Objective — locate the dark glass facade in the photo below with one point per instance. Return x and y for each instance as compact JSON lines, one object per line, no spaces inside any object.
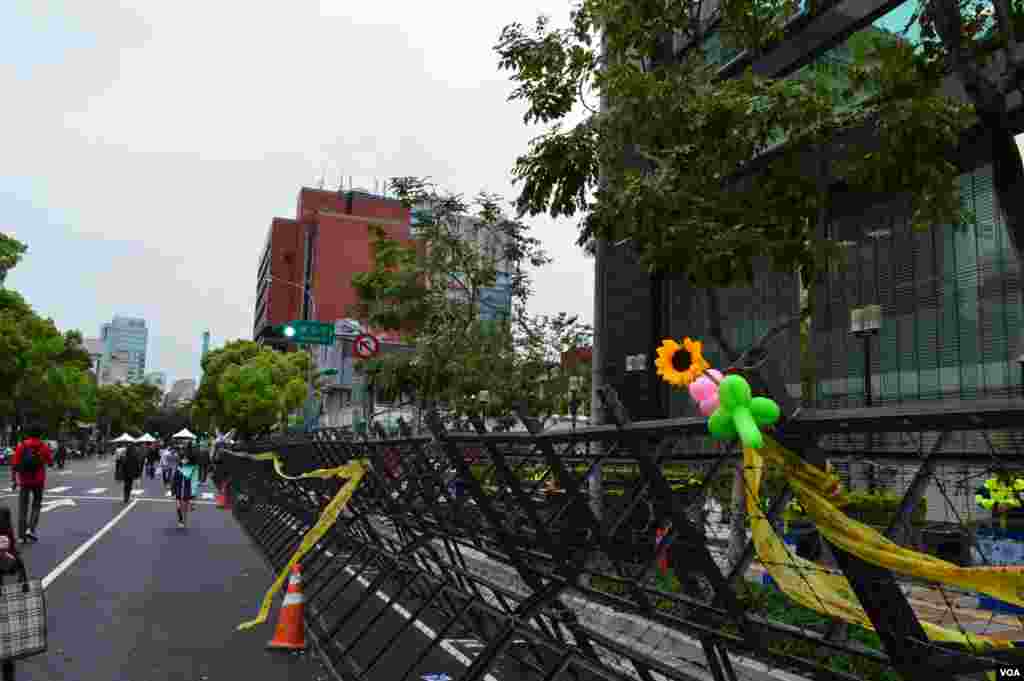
{"x":950,"y":298}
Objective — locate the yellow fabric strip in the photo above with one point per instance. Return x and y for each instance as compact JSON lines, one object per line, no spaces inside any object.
{"x":1003,"y":582}
{"x":354,"y":471}
{"x":806,"y":582}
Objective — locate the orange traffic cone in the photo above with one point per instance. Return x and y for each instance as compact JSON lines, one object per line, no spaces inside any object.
{"x":291,"y":633}
{"x":223,"y":499}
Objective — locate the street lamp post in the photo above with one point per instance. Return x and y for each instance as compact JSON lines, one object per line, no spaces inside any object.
{"x":484,"y":398}
{"x":865,"y":322}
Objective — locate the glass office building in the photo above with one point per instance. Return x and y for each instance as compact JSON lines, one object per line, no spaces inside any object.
{"x":124,"y":342}
{"x":950,"y":299}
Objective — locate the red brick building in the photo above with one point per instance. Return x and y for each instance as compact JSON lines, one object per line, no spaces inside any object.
{"x":318,"y":252}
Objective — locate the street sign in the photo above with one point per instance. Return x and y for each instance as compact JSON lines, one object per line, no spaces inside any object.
{"x":366,"y":346}
{"x":313,"y":333}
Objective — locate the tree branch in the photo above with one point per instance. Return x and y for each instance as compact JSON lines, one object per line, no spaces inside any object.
{"x":715,"y":326}
{"x":771,"y":333}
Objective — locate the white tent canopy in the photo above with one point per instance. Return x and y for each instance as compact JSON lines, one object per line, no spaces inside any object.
{"x":183,"y":434}
{"x":146,"y":437}
{"x":125,"y":437}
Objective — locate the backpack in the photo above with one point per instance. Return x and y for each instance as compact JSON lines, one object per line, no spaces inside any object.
{"x":31,"y":459}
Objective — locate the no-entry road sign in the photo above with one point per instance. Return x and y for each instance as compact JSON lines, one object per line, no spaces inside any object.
{"x":366,"y":346}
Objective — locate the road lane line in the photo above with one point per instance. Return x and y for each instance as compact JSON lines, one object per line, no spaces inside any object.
{"x":58,"y":490}
{"x":69,"y":496}
{"x":96,"y":490}
{"x":137,"y":492}
{"x":69,"y":561}
{"x":420,"y":626}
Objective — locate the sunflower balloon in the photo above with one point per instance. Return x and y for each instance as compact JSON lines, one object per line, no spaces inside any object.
{"x":680,"y":365}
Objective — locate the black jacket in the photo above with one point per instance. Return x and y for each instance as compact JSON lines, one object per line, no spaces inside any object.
{"x":131,"y":465}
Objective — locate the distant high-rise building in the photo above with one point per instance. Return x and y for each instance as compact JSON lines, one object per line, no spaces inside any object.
{"x":124,"y":350}
{"x":94,"y":346}
{"x":206,"y":342}
{"x":182,"y":391}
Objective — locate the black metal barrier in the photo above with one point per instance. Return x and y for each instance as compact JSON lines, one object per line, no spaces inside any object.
{"x":492,"y":538}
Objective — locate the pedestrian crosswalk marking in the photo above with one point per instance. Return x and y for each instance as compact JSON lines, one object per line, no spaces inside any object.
{"x":96,"y":490}
{"x":137,"y":492}
{"x":58,"y":490}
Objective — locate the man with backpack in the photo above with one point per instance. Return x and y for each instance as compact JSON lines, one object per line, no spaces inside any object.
{"x":128,"y":469}
{"x":29,"y":464}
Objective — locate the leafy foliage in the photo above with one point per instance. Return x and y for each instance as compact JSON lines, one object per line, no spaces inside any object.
{"x":434,"y":291}
{"x":125,"y":408}
{"x":11,"y":251}
{"x":166,"y":421}
{"x":249,"y":388}
{"x":677,"y":146}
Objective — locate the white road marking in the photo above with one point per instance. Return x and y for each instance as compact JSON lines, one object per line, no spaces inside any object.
{"x":167,"y":494}
{"x":95,"y":498}
{"x":420,"y":626}
{"x":207,"y":495}
{"x":58,"y":490}
{"x":77,"y":553}
{"x":56,"y":503}
{"x":137,"y":492}
{"x":96,"y":490}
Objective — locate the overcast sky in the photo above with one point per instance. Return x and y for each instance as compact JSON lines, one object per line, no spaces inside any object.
{"x":147,"y":145}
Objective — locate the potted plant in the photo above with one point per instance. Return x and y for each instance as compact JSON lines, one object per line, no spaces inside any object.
{"x":1001,"y":543}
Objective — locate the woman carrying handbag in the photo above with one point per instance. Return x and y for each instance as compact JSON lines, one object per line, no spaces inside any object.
{"x":22,"y":604}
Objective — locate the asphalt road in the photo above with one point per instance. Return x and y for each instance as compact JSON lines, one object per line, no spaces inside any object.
{"x":132,"y":597}
{"x":145,"y":600}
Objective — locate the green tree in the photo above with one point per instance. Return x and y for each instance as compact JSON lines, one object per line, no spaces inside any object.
{"x":11,"y":252}
{"x":678,"y":148}
{"x":124,"y":408}
{"x":167,"y":421}
{"x":249,"y":388}
{"x":434,"y":292}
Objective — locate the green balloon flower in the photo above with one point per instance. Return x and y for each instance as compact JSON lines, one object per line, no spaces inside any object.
{"x":740,"y":414}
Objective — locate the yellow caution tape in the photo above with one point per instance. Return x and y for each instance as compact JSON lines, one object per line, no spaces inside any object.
{"x":354,"y":471}
{"x":811,"y":586}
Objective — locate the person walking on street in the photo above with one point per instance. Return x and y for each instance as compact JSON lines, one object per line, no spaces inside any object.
{"x":184,"y":486}
{"x":131,"y":469}
{"x":152,"y":457}
{"x":168,"y":464}
{"x":62,"y":455}
{"x":29,"y":463}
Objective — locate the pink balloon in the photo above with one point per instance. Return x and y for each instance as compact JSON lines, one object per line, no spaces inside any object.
{"x":703,"y":388}
{"x":708,"y":406}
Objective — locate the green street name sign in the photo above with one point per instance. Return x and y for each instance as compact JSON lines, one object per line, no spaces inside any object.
{"x":312,"y":333}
